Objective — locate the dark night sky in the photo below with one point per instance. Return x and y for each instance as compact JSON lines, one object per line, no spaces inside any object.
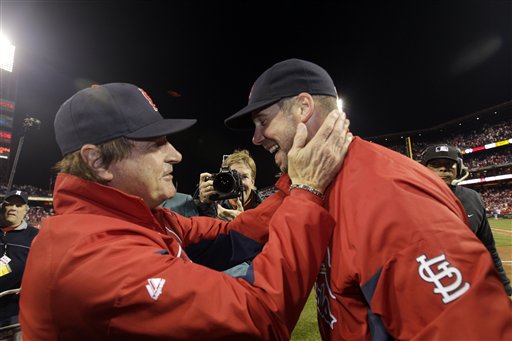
{"x":398,"y":65}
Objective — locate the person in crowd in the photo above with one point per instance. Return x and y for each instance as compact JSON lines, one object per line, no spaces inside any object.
{"x":16,"y":239}
{"x":241,"y":162}
{"x":110,"y":265}
{"x":402,"y":263}
{"x":446,"y":162}
{"x":496,"y":212}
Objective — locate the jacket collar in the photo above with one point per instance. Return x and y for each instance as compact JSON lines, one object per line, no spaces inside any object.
{"x":22,"y":226}
{"x":283,"y":183}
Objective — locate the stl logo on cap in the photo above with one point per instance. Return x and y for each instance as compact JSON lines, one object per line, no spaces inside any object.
{"x":148,"y":98}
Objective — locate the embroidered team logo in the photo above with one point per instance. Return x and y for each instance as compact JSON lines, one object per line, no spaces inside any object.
{"x":447,"y":279}
{"x":154,"y":287}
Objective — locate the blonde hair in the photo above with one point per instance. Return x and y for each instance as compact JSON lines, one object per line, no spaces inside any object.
{"x":110,"y":151}
{"x":241,"y":156}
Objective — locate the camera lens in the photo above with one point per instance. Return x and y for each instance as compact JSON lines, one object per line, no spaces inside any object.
{"x":223,"y":183}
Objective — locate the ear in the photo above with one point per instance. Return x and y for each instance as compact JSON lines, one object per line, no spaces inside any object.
{"x":306,"y":106}
{"x":92,"y":157}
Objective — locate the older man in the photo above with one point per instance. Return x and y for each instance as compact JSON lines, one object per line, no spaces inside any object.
{"x":16,"y":236}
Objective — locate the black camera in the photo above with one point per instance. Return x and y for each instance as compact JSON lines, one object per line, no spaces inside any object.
{"x":228,"y":184}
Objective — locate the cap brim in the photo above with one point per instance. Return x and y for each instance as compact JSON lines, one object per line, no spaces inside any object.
{"x":242,"y":120}
{"x":162,"y":128}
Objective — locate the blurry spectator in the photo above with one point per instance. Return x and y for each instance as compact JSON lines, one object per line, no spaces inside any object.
{"x":446,"y":162}
{"x":29,"y":189}
{"x":498,"y":199}
{"x":16,"y":238}
{"x":496,"y":212}
{"x":488,"y":133}
{"x":499,"y":157}
{"x":37,"y":214}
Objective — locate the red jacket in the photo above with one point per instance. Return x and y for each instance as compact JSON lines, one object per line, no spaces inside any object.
{"x":402,"y":263}
{"x":107,"y":268}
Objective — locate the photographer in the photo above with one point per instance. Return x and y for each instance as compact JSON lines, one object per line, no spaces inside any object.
{"x":239,"y":194}
{"x":225,"y":195}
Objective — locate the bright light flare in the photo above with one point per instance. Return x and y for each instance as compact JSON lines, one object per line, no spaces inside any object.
{"x":339,"y":102}
{"x":6,"y":53}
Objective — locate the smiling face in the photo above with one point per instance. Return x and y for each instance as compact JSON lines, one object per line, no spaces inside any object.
{"x":14,"y":210}
{"x":275,"y":128}
{"x":147,"y":171}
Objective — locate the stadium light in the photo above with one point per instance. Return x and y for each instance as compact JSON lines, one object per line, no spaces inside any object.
{"x":29,"y":123}
{"x":339,"y":102}
{"x":6,"y":53}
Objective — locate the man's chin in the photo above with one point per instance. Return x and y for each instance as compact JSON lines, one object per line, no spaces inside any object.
{"x":171,"y":193}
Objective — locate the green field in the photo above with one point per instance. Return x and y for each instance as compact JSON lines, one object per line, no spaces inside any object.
{"x":306,"y":329}
{"x":501,"y":239}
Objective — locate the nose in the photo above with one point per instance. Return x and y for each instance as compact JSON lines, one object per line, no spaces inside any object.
{"x":173,"y":155}
{"x":257,"y":137}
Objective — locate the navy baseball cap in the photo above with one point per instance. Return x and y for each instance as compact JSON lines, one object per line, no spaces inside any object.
{"x":105,"y":112}
{"x":23,"y":195}
{"x":284,"y":79}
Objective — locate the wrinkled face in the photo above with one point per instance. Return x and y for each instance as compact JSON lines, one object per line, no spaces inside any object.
{"x":275,"y":130}
{"x":446,"y":169}
{"x":247,"y":179}
{"x":14,"y":210}
{"x":147,"y":171}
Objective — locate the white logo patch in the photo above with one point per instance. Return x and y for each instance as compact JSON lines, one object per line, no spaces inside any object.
{"x":449,"y":292}
{"x":154,"y":287}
